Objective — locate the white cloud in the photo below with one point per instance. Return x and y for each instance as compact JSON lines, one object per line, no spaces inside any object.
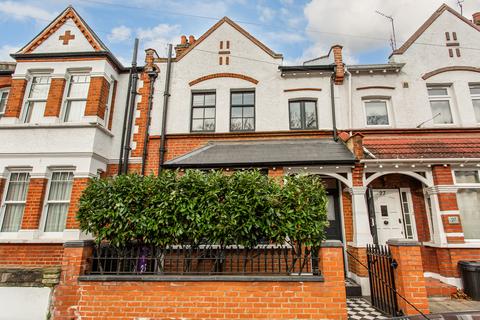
{"x":159,"y":36}
{"x":266,"y":13}
{"x":23,"y":11}
{"x":119,"y":34}
{"x":284,"y":37}
{"x":356,"y":26}
{"x":5,"y":52}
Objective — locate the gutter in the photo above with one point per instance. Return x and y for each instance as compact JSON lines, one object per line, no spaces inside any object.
{"x":259,"y":164}
{"x":421,"y":160}
{"x":166,"y":96}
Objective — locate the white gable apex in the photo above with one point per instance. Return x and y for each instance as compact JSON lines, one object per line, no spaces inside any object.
{"x":68,"y":38}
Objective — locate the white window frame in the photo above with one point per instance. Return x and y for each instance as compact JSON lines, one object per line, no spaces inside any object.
{"x":4,"y":203}
{"x":411,"y":212}
{"x":461,"y":186}
{"x":27,"y":99}
{"x":2,"y":91}
{"x":474,"y":96}
{"x":67,"y":99}
{"x":389,"y":113}
{"x":46,"y":202}
{"x":447,"y":97}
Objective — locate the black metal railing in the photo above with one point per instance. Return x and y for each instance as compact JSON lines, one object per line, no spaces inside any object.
{"x":204,"y":260}
{"x":382,"y":282}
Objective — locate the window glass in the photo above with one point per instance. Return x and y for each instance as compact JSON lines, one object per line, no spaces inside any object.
{"x":79,"y":85}
{"x":376,"y":112}
{"x":441,"y":111}
{"x":37,"y":98}
{"x":475,"y":89}
{"x":203,"y":112}
{"x":476,"y":108}
{"x":58,"y":201}
{"x":303,"y":114}
{"x":433,"y":91}
{"x":242,"y":112}
{"x":15,"y":201}
{"x":35,"y":111}
{"x":76,"y":98}
{"x":3,"y":101}
{"x":466,"y":177}
{"x":40,"y":87}
{"x":468,"y":203}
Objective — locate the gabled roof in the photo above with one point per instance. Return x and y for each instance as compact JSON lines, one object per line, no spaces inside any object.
{"x":60,"y":20}
{"x":428,"y":23}
{"x":239,"y":29}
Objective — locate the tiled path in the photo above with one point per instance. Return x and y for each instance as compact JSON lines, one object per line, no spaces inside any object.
{"x":361,"y":309}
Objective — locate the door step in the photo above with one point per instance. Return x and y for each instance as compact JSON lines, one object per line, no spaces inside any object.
{"x":353,"y":288}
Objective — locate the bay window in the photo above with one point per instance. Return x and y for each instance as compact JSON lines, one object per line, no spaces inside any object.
{"x":76,"y":98}
{"x":36,"y":99}
{"x":58,"y":201}
{"x":468,"y":197}
{"x":14,"y":202}
{"x":440,"y":104}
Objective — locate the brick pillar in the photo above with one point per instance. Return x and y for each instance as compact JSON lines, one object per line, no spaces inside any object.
{"x":66,"y":295}
{"x":447,"y":204}
{"x":276,"y":173}
{"x":55,"y":97}
{"x":15,"y":98}
{"x":79,"y":184}
{"x":409,"y":278}
{"x":97,"y":97}
{"x":338,"y":60}
{"x":332,"y":269}
{"x":142,"y":119}
{"x":34,"y":204}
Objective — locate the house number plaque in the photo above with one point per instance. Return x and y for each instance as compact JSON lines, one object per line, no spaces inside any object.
{"x":453,"y":220}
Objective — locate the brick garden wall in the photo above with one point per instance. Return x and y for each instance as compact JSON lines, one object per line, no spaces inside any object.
{"x":30,"y":255}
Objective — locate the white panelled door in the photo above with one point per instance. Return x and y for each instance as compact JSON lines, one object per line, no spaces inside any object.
{"x":388,"y":214}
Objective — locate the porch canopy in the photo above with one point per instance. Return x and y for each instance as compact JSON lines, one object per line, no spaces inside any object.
{"x":265,"y":153}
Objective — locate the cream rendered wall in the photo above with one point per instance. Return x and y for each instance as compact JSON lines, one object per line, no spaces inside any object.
{"x":271,"y":105}
{"x":24,"y":303}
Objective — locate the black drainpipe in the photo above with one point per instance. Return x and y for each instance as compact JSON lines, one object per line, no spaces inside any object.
{"x":332,"y":97}
{"x":152,"y":75}
{"x":133,"y":96}
{"x":166,"y":96}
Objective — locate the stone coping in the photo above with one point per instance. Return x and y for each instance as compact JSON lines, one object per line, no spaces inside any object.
{"x":226,"y":278}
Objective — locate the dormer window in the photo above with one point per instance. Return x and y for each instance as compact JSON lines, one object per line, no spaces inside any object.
{"x":76,"y":98}
{"x":3,"y":101}
{"x":36,"y":99}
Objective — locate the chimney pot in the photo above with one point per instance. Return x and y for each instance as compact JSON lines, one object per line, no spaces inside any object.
{"x":183,"y":40}
{"x":191,"y":39}
{"x":476,"y":18}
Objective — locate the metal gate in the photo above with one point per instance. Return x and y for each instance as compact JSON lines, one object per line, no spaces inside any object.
{"x":382,"y":282}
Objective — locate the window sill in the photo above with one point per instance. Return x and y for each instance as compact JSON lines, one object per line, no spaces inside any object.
{"x":56,"y":126}
{"x":212,"y":278}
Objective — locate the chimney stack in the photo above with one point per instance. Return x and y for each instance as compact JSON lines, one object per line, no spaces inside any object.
{"x":338,"y":60}
{"x":476,"y":18}
{"x":179,"y":48}
{"x":191,"y":40}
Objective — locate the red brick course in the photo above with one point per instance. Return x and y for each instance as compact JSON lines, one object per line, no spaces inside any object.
{"x":223,"y":75}
{"x":347,"y":214}
{"x":34,"y":203}
{"x":15,"y":98}
{"x":5,"y":81}
{"x":79,"y":184}
{"x":55,"y":98}
{"x":354,"y":266}
{"x":30,"y":255}
{"x":141,"y":120}
{"x":447,"y":201}
{"x":442,"y":175}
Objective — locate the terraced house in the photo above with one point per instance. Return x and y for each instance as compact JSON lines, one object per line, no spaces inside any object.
{"x":397,"y":144}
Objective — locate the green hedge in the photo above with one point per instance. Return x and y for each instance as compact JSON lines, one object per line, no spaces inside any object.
{"x":197,"y":207}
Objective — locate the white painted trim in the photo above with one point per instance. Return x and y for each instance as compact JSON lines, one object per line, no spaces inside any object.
{"x":457,"y":282}
{"x":449,"y":212}
{"x":63,"y":125}
{"x":412,"y":212}
{"x":367,"y":181}
{"x":454,"y":234}
{"x":467,"y":245}
{"x":421,"y":161}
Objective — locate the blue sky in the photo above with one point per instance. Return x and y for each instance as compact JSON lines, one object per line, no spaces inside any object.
{"x":300,"y":29}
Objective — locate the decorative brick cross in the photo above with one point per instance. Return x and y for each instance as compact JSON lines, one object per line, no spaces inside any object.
{"x":66,"y":37}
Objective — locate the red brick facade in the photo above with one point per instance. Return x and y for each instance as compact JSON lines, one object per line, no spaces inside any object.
{"x":79,"y":184}
{"x":55,"y":98}
{"x":30,"y":255}
{"x":97,"y":97}
{"x":15,"y":98}
{"x":34,"y":204}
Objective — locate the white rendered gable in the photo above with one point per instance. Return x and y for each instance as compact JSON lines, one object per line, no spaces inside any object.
{"x":55,"y":44}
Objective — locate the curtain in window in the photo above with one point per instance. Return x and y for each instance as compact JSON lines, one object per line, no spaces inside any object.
{"x":58,"y":201}
{"x":15,"y":201}
{"x":469,"y":204}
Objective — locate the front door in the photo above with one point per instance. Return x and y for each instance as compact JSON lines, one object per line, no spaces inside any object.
{"x":334,"y":231}
{"x":388,"y":214}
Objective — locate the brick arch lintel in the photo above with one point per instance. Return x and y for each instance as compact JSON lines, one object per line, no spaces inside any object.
{"x":223,"y":75}
{"x":448,"y":69}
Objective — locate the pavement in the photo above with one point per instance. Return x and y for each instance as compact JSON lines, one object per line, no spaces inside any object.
{"x":444,"y":304}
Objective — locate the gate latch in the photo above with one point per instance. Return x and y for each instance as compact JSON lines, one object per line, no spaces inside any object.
{"x":394,"y":264}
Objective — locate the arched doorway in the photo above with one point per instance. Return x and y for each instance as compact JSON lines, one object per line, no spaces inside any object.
{"x":398,"y":207}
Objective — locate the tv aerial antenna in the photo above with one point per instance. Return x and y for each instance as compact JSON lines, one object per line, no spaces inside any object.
{"x":460,"y":4}
{"x":393,"y":39}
